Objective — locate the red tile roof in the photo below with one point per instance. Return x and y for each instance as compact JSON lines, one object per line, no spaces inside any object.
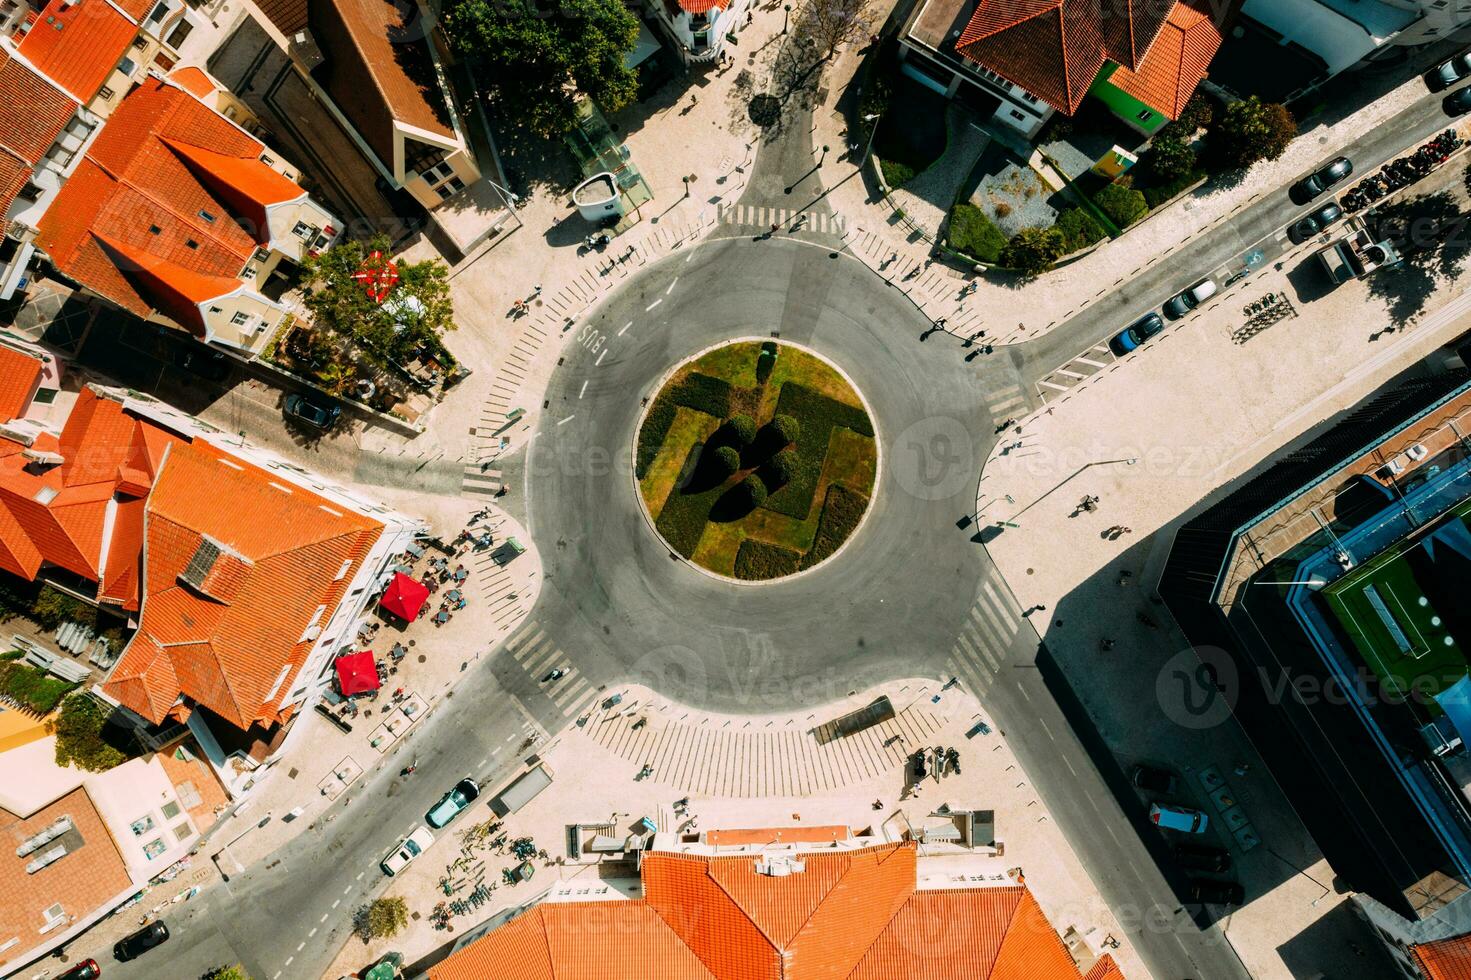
{"x":847,"y":915}
{"x":1178,"y":60}
{"x":20,"y":373}
{"x":1055,"y":48}
{"x":58,"y":514}
{"x":378,"y":69}
{"x":1105,"y":969}
{"x":33,"y":112}
{"x":1444,"y":959}
{"x":145,"y":220}
{"x":778,"y":835}
{"x":193,"y":80}
{"x":221,"y":637}
{"x":78,"y":43}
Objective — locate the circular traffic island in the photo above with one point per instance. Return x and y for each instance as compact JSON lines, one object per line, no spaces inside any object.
{"x":756,"y":460}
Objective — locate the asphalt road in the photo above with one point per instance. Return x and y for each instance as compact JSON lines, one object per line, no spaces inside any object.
{"x":289,"y":916}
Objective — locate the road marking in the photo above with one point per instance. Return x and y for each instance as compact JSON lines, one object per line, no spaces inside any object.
{"x":496,"y":749}
{"x":290,"y":958}
{"x":312,"y":933}
{"x":601,"y":354}
{"x":299,"y":948}
{"x":1051,"y":385}
{"x":1069,"y":765}
{"x":1024,"y":692}
{"x":625,"y":327}
{"x":671,"y":286}
{"x":277,"y":976}
{"x":348,"y":888}
{"x":1084,"y":360}
{"x":568,"y":418}
{"x":1071,"y":374}
{"x":360,"y":875}
{"x":653,"y":304}
{"x":322,"y":919}
{"x":336,"y":902}
{"x":510,"y":738}
{"x":582,"y":391}
{"x":485,"y":760}
{"x":1046,"y":729}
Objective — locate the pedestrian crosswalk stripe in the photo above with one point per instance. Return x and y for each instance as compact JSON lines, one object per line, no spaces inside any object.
{"x":580,"y":701}
{"x":542,"y":658}
{"x":1000,"y":602}
{"x":562,"y":698}
{"x":526,"y":641}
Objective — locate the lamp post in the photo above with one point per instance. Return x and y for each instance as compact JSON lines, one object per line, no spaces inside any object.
{"x":786,"y":10}
{"x":1065,"y":480}
{"x":872,"y":117}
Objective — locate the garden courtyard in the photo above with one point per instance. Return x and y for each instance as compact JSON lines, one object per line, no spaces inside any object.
{"x":756,"y":460}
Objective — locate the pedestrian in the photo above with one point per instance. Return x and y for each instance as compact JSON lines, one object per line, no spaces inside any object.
{"x":1016,"y":445}
{"x":1125,"y":576}
{"x":536,"y":291}
{"x":987,"y":349}
{"x":749,"y":17}
{"x":1126,"y":530}
{"x":940,"y":323}
{"x":1105,"y":644}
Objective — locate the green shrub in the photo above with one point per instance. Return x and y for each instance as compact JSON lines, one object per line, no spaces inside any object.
{"x":841,"y":513}
{"x":52,"y":608}
{"x":895,"y":174}
{"x":1249,"y":130}
{"x":651,"y":434}
{"x":1160,"y":193}
{"x":382,"y":918}
{"x":1197,"y":114}
{"x":1169,"y":157}
{"x":32,"y":687}
{"x":1123,"y":205}
{"x":1079,"y":229}
{"x":724,"y":462}
{"x":740,"y":429}
{"x":1033,"y":251}
{"x":970,"y":231}
{"x":765,"y":361}
{"x":752,"y":490}
{"x":781,"y":469}
{"x":785,"y":429}
{"x":682,"y":521}
{"x":78,"y":731}
{"x":758,"y":560}
{"x":703,"y":394}
{"x":819,"y":415}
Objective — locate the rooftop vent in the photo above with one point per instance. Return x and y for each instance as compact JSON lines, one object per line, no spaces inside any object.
{"x":200,"y":564}
{"x":780,"y":867}
{"x":45,"y":836}
{"x":55,"y":854}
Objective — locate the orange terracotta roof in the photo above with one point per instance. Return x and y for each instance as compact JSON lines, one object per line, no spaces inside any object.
{"x":59,"y":514}
{"x":136,"y":223}
{"x":193,"y":80}
{"x":702,"y":6}
{"x":246,"y":184}
{"x":20,"y":373}
{"x":1105,"y":969}
{"x":1055,"y":48}
{"x":848,"y":915}
{"x":33,"y":113}
{"x":78,"y":43}
{"x":778,"y":835}
{"x":221,"y":635}
{"x":1444,"y":959}
{"x":199,"y":788}
{"x":1177,"y":62}
{"x":378,"y":69}
{"x":14,"y":172}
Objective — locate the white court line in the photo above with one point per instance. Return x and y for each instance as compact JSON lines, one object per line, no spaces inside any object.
{"x":625,"y":327}
{"x":653,"y":304}
{"x":570,"y":417}
{"x":671,"y":286}
{"x":583,"y":390}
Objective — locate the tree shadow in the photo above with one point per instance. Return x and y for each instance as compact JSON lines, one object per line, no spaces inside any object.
{"x":1430,"y":233}
{"x":734,"y":504}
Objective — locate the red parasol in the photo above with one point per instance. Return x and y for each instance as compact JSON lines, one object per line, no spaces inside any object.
{"x":405,"y":596}
{"x":356,"y":673}
{"x":377,"y":275}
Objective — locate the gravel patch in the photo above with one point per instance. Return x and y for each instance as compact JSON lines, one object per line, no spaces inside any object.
{"x":1014,"y":198}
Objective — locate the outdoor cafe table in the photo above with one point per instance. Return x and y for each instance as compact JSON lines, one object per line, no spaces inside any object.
{"x":453,"y":595}
{"x":441,"y":617}
{"x":461,"y":574}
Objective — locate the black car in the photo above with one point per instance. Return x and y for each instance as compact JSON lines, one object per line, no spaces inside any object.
{"x":211,"y":365}
{"x":1458,"y":103}
{"x":140,"y":942}
{"x":1449,"y":72}
{"x":1309,"y":225}
{"x":1155,"y":780}
{"x":318,"y":416}
{"x":1134,"y":335}
{"x":1320,"y":180}
{"x":1209,"y":892}
{"x":85,"y":970}
{"x":1198,"y":857}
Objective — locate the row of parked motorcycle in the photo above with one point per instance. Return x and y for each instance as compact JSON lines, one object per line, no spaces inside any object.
{"x":1402,"y":172}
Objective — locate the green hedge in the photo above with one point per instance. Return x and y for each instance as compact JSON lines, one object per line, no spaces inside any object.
{"x":682,"y":521}
{"x":841,"y":513}
{"x":31,"y":687}
{"x":1079,"y":229}
{"x":895,"y":174}
{"x":704,"y":394}
{"x":1157,"y":195}
{"x":697,"y":391}
{"x":651,"y":434}
{"x":759,"y":560}
{"x":818,"y":415}
{"x":1123,"y":205}
{"x":765,"y":361}
{"x":972,"y":232}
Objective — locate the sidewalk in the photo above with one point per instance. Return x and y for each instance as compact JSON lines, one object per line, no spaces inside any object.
{"x":594,"y":786}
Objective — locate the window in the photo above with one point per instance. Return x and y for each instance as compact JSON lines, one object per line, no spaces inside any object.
{"x":421,"y":157}
{"x":1030,"y":99}
{"x":239,"y":317}
{"x":142,"y":825}
{"x":342,"y":572}
{"x":190,"y":243}
{"x":261,"y":254}
{"x":994,"y":79}
{"x":158,"y":12}
{"x":303,"y":230}
{"x":171,"y":810}
{"x":280,"y":679}
{"x":1144,"y":115}
{"x":105,"y":94}
{"x":154,"y":848}
{"x":206,"y":215}
{"x":182,"y":832}
{"x":154,"y":229}
{"x":216,"y":309}
{"x":178,"y":34}
{"x":1018,"y":116}
{"x":449,"y":188}
{"x":30,"y":192}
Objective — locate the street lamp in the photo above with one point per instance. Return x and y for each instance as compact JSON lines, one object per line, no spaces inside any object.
{"x":786,"y":10}
{"x":872,"y":117}
{"x":1065,"y":480}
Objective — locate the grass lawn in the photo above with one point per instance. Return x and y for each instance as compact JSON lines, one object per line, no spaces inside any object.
{"x":835,"y":445}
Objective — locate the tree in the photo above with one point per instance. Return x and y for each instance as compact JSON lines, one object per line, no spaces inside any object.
{"x":1197,"y":114}
{"x":236,"y":972}
{"x":753,"y":491}
{"x":1169,"y":157}
{"x":414,"y":315}
{"x":381,"y":918}
{"x":531,"y":63}
{"x":785,"y":430}
{"x":1121,"y":203}
{"x":834,"y":23}
{"x":78,"y":731}
{"x":742,"y":429}
{"x":781,"y":468}
{"x":1248,"y":131}
{"x":1033,"y":251}
{"x":725,"y":460}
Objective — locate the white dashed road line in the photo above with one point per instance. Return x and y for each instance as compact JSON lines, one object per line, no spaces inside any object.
{"x":567,"y":419}
{"x":582,"y":391}
{"x":625,"y":327}
{"x":671,"y":286}
{"x":653,"y":304}
{"x":601,"y":354}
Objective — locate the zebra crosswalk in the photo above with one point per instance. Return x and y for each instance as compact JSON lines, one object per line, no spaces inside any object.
{"x":538,"y":655}
{"x":984,"y":643}
{"x":1076,"y":371}
{"x":479,"y":480}
{"x":759,"y":217}
{"x":1007,"y":402}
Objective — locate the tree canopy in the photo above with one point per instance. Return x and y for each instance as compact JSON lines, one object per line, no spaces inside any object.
{"x":1033,"y":251}
{"x":531,"y":62}
{"x":1250,"y":130}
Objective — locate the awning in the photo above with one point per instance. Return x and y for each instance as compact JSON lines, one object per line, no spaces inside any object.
{"x":356,"y":673}
{"x":404,"y":596}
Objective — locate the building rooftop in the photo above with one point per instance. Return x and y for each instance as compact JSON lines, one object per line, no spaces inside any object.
{"x":35,"y":114}
{"x":848,"y":914}
{"x":78,"y":43}
{"x":1177,"y":61}
{"x":20,"y":373}
{"x":1444,"y":959}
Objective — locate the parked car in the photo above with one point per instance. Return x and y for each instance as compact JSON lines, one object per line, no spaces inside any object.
{"x":311,"y":413}
{"x":1182,"y":303}
{"x":1210,"y":892}
{"x":85,"y":970}
{"x":1320,"y":180}
{"x":406,"y":850}
{"x":452,"y":803}
{"x":133,"y":946}
{"x":1449,"y":72}
{"x":212,"y":365}
{"x":1180,"y":818}
{"x":1155,"y":780}
{"x":1458,"y":103}
{"x":1309,"y":225}
{"x":1136,"y":334}
{"x":1198,"y":857}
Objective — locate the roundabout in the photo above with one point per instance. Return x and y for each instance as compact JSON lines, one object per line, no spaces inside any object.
{"x":629,"y":607}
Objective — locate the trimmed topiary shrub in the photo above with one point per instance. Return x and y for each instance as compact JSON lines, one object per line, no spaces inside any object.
{"x":1079,"y":229}
{"x":738,"y":501}
{"x":651,"y":434}
{"x":704,"y":394}
{"x":724,"y":461}
{"x":741,"y":429}
{"x":781,"y":469}
{"x":1122,"y":204}
{"x":970,"y":231}
{"x":785,"y":428}
{"x":754,"y":490}
{"x":895,"y":174}
{"x":765,"y":361}
{"x":758,"y":560}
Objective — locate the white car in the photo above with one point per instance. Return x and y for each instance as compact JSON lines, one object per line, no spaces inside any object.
{"x":1180,"y":818}
{"x":406,"y":850}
